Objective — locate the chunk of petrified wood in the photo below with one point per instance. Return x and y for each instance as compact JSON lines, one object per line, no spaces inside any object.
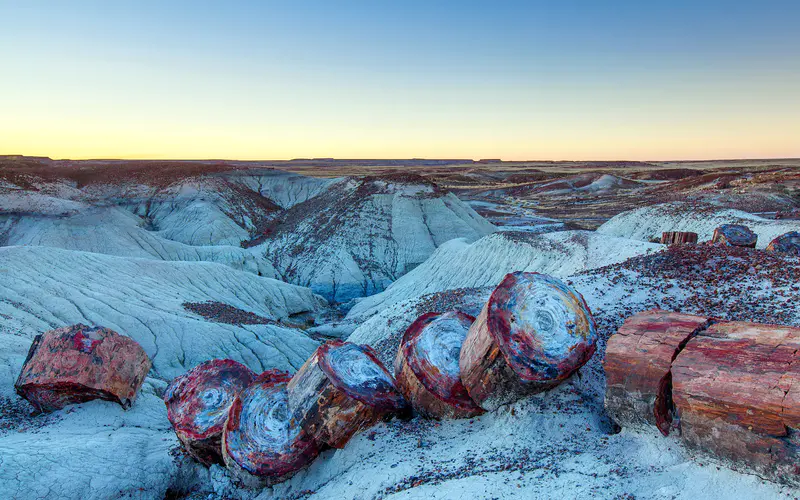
{"x":79,"y":363}
{"x":786,"y":243}
{"x":637,"y":365}
{"x":198,"y":403}
{"x":426,"y":366}
{"x":678,"y":237}
{"x":734,"y":235}
{"x":341,"y":389}
{"x":532,"y":334}
{"x":260,"y":443}
{"x":736,"y":388}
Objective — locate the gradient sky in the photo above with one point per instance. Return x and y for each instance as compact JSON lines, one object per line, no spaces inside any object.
{"x":514,"y":80}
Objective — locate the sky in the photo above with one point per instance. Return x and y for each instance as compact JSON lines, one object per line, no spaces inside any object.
{"x":527,"y":79}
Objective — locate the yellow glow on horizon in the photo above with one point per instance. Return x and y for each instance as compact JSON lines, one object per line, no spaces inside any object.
{"x":160,"y":140}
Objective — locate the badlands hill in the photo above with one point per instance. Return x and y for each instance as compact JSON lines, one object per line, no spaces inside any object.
{"x":344,"y":238}
{"x":359,"y":235}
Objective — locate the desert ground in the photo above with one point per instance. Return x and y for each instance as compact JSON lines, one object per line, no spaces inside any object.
{"x":263,"y":262}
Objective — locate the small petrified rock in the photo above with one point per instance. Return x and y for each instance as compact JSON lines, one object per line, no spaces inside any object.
{"x":341,"y":389}
{"x":426,"y":367}
{"x":678,"y":238}
{"x":532,"y":334}
{"x":786,"y":243}
{"x":734,"y":235}
{"x":260,"y":443}
{"x":736,"y":389}
{"x":637,"y":365}
{"x":79,"y":363}
{"x":198,"y":403}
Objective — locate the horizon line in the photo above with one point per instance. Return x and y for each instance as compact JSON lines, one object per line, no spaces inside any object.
{"x":466,"y":160}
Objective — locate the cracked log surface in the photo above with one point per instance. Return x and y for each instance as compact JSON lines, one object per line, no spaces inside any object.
{"x":786,"y":243}
{"x":79,"y":363}
{"x":736,"y":387}
{"x":198,"y":403}
{"x":678,"y":237}
{"x":341,"y":389}
{"x":261,"y":444}
{"x":637,"y":364}
{"x":426,"y":367}
{"x":735,"y":235}
{"x":532,"y":334}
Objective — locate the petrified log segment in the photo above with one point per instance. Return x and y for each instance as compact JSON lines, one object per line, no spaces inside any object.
{"x":426,"y":367}
{"x":736,"y":387}
{"x":198,"y":403}
{"x":786,"y":243}
{"x":678,"y":238}
{"x":637,"y":365}
{"x":260,"y":443}
{"x":532,"y":334}
{"x":341,"y":389}
{"x":734,"y":235}
{"x":80,"y":363}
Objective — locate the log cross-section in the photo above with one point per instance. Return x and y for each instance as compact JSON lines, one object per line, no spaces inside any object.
{"x":198,"y":403}
{"x":260,"y":443}
{"x":637,"y":364}
{"x":532,"y":334}
{"x":786,"y":243}
{"x":341,"y":389}
{"x":734,"y":235}
{"x":426,"y":366}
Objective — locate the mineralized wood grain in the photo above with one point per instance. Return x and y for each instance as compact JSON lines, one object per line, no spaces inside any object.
{"x":637,"y":363}
{"x":786,"y":243}
{"x":261,"y":445}
{"x":341,"y":389}
{"x":426,"y":367}
{"x":678,"y":237}
{"x":734,"y":235}
{"x":79,"y":363}
{"x":736,"y":389}
{"x":532,"y":334}
{"x":198,"y":403}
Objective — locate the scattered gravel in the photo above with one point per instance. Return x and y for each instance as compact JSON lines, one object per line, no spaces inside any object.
{"x":224,"y":313}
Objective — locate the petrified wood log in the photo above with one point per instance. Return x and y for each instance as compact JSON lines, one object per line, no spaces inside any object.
{"x":736,"y":388}
{"x":678,"y":237}
{"x":341,"y":389}
{"x":734,"y":235}
{"x":426,"y":367}
{"x":786,"y":243}
{"x":78,"y":363}
{"x":532,"y":334}
{"x":637,"y":365}
{"x":261,"y":445}
{"x":198,"y":403}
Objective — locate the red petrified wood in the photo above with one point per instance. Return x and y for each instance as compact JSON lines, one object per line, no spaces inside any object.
{"x":80,"y":363}
{"x":734,"y":235}
{"x":736,"y":388}
{"x":198,"y":403}
{"x":786,"y":243}
{"x":341,"y":389}
{"x":260,"y":443}
{"x":637,"y":365}
{"x":426,"y":366}
{"x":532,"y":334}
{"x":678,"y":237}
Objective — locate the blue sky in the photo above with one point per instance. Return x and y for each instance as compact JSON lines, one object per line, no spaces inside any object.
{"x":517,"y":80}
